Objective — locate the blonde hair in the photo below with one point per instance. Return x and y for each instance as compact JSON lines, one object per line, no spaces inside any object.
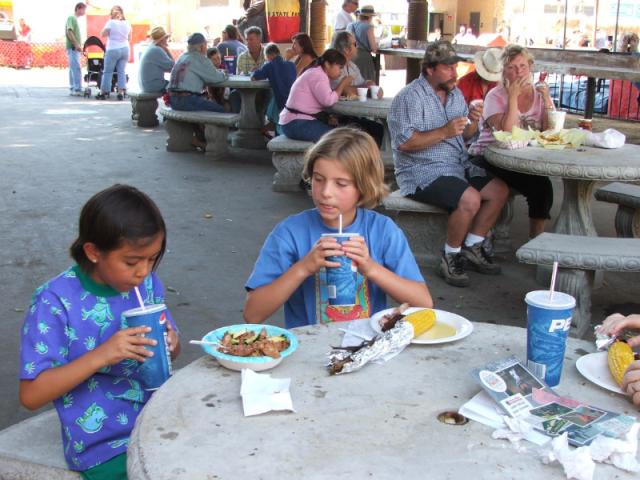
{"x":512,"y":51}
{"x":358,"y":153}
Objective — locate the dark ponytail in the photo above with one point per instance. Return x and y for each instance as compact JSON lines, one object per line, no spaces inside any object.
{"x":330,"y":55}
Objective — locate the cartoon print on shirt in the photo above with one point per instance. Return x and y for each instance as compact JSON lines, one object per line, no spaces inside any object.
{"x":92,"y":419}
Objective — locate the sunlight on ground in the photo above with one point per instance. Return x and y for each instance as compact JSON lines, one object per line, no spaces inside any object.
{"x":69,"y":111}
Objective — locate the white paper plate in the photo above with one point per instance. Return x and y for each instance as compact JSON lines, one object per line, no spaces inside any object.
{"x":594,"y":368}
{"x":463,"y":326}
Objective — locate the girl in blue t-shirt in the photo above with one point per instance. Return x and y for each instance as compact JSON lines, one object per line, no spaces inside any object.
{"x":76,"y":349}
{"x":347,"y":178}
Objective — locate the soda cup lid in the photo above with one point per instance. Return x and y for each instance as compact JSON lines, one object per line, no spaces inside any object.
{"x":541,"y":298}
{"x":158,"y":307}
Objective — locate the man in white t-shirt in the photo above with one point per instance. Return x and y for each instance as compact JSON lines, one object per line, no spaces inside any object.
{"x":345,"y":15}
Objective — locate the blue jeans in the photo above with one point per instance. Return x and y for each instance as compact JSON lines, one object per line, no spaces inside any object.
{"x":192,"y":103}
{"x":308,"y":130}
{"x":75,"y":72}
{"x":115,"y":59}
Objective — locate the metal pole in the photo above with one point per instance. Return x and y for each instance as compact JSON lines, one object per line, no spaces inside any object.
{"x":564,"y":32}
{"x":615,"y":35}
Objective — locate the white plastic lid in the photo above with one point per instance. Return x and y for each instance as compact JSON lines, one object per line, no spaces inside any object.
{"x":341,"y":235}
{"x":134,"y":312}
{"x":541,"y":298}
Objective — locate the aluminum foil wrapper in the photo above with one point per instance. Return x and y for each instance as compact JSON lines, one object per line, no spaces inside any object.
{"x":603,"y":342}
{"x":389,"y":342}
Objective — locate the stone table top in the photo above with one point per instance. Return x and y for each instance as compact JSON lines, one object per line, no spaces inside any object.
{"x":376,"y":108}
{"x":379,"y":422}
{"x":585,"y":163}
{"x":244,"y":81}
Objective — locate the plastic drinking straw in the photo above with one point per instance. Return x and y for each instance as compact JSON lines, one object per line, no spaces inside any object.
{"x":553,"y":280}
{"x":140,"y":301}
{"x":340,"y":224}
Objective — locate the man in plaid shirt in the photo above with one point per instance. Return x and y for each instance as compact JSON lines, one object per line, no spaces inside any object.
{"x":429,"y":123}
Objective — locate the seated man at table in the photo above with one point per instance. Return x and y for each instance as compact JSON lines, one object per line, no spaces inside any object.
{"x":191,"y":73}
{"x":429,"y":123}
{"x":345,"y":43}
{"x":253,"y":57}
{"x":155,"y":62}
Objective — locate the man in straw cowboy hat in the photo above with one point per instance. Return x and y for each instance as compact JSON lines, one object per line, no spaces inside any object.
{"x":155,"y":62}
{"x":429,"y":123}
{"x":488,"y":71}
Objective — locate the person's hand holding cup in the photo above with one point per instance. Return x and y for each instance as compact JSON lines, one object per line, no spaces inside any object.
{"x":376,"y":91}
{"x":475,"y":110}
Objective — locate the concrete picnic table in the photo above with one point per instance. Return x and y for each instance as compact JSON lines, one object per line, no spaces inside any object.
{"x":580,"y":169}
{"x":249,"y":133}
{"x":372,"y":108}
{"x":378,"y":422}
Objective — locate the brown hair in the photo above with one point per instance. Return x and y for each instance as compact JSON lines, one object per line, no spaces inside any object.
{"x":304,"y":41}
{"x":358,"y":153}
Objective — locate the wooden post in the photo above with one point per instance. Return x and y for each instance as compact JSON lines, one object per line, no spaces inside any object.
{"x":317,"y":25}
{"x":416,"y":32}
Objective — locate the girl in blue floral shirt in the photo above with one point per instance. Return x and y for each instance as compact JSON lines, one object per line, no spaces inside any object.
{"x":76,"y":349}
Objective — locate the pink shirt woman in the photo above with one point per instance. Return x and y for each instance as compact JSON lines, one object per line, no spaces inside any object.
{"x":310,"y":94}
{"x":517,"y":103}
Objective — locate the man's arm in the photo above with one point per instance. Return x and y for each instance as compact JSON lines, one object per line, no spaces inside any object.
{"x":422,"y":140}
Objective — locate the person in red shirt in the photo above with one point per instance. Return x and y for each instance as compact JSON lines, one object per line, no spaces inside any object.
{"x":488,"y":71}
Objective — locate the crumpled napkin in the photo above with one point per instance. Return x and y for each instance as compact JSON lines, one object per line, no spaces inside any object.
{"x":610,"y":138}
{"x":579,"y":463}
{"x":261,"y":393}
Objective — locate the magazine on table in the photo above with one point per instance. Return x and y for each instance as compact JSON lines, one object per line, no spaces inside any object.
{"x":522,"y":395}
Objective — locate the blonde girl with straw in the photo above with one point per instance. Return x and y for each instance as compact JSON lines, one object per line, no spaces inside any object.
{"x":347,"y":180}
{"x":76,"y":349}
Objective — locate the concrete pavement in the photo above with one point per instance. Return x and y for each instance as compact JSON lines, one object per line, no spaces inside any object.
{"x":58,"y":150}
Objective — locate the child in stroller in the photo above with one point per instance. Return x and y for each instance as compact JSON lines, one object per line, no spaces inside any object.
{"x":94,"y":50}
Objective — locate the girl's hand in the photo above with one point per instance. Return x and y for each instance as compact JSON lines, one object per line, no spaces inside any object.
{"x":631,"y":382}
{"x":126,"y":343}
{"x":614,"y":325}
{"x":356,"y":249}
{"x":317,"y":257}
{"x":173,"y":341}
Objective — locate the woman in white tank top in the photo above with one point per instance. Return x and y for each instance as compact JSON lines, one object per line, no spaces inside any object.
{"x":118,"y":33}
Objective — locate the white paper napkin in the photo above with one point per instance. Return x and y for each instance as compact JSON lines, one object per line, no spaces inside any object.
{"x":609,"y":138}
{"x":261,"y":393}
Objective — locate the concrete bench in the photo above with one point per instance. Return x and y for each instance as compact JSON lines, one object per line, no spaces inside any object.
{"x":425,"y":227}
{"x":627,"y":196}
{"x":288,"y":159}
{"x":216,"y":130}
{"x":578,"y":258}
{"x":32,"y":449}
{"x":143,"y":108}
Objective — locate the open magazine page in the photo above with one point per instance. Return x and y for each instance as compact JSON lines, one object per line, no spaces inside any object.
{"x":526,"y":397}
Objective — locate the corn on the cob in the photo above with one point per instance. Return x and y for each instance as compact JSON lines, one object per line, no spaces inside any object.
{"x":619,"y":358}
{"x":421,"y":320}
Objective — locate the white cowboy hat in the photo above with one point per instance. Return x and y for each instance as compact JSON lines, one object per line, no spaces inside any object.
{"x":489,"y":64}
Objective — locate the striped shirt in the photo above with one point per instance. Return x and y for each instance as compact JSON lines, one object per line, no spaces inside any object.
{"x":417,"y":108}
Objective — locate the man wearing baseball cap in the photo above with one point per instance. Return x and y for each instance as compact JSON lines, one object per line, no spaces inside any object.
{"x":191,"y":73}
{"x":429,"y":123}
{"x":155,"y":62}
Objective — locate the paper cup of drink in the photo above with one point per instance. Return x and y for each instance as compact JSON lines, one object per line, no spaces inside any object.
{"x":478,"y":103}
{"x":556,"y":120}
{"x":362,"y":94}
{"x":548,"y":324}
{"x":154,"y":370}
{"x":374,"y":91}
{"x":341,"y":281}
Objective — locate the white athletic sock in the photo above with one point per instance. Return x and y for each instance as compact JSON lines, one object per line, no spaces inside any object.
{"x":472,"y":239}
{"x":448,"y":249}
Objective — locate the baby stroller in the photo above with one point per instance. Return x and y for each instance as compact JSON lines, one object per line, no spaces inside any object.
{"x":94,"y":50}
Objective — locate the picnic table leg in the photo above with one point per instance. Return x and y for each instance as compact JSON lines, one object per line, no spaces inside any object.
{"x":249,"y":133}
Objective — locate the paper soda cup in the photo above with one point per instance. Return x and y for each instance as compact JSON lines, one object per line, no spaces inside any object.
{"x":548,"y":324}
{"x":556,"y":120}
{"x":374,"y":91}
{"x":157,"y":369}
{"x":341,"y":281}
{"x":229,"y":62}
{"x":362,"y":94}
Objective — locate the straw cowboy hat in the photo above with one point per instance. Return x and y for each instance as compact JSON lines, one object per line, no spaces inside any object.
{"x":158,"y":34}
{"x":367,"y":11}
{"x":489,"y":64}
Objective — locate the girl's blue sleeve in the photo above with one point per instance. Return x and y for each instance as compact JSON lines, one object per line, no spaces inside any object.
{"x":45,"y":336}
